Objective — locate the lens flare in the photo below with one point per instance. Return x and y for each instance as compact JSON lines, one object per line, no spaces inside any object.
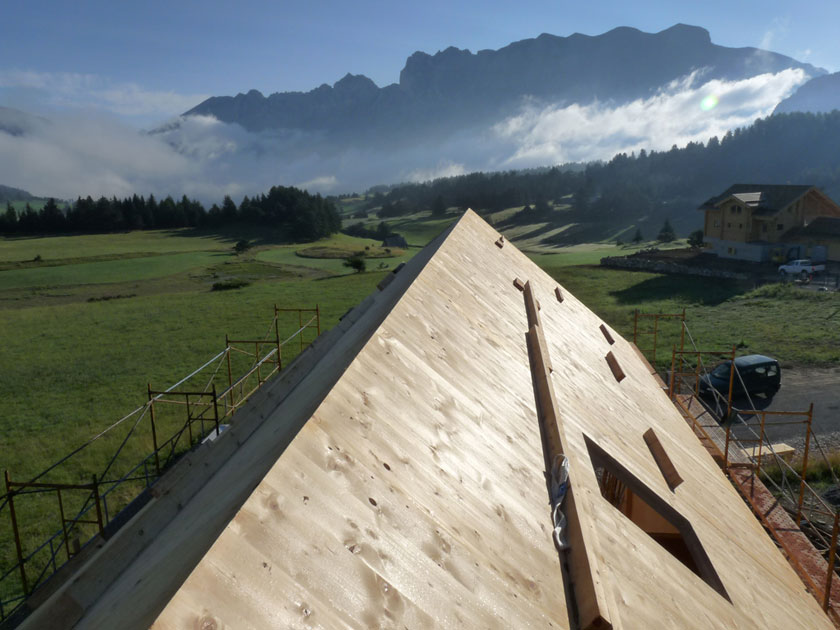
{"x":710,"y":102}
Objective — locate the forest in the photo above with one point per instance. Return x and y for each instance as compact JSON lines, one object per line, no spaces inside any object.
{"x":643,"y":188}
{"x":298,"y":215}
{"x":785,"y":148}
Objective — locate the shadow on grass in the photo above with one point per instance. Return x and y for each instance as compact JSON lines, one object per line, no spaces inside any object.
{"x":687,"y":289}
{"x":257,"y":235}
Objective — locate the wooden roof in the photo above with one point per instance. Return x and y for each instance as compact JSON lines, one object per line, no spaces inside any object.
{"x":765,"y":198}
{"x":413,"y":494}
{"x":820,"y":227}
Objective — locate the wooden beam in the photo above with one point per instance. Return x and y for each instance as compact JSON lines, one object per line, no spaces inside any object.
{"x":615,"y":367}
{"x":607,"y":334}
{"x":669,"y":471}
{"x":585,"y":588}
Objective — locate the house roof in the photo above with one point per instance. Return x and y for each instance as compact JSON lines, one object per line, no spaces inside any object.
{"x":820,"y":227}
{"x":766,"y":199}
{"x":750,"y":198}
{"x":396,"y":476}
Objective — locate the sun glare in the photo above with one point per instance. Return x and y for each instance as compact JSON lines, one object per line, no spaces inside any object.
{"x":710,"y":102}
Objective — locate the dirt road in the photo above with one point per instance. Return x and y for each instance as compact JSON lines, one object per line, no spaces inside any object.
{"x":801,"y":387}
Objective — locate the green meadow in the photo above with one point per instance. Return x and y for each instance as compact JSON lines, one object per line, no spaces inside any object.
{"x":82,"y":339}
{"x":799,"y":327}
{"x":99,"y":316}
{"x":107,"y":272}
{"x":90,"y":321}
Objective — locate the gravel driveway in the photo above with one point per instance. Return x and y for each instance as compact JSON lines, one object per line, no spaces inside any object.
{"x":801,"y":387}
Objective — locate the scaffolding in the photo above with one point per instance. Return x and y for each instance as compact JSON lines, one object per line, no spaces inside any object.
{"x":739,"y":440}
{"x":172,"y":421}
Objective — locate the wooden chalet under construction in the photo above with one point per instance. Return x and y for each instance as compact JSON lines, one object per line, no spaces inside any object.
{"x":406,"y":472}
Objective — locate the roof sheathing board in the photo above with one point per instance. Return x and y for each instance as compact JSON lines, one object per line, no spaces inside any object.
{"x":459,"y":535}
{"x":442,"y":394}
{"x":649,"y":587}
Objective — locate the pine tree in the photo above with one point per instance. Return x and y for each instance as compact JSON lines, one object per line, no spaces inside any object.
{"x":9,"y":220}
{"x":666,"y":234}
{"x":695,"y":239}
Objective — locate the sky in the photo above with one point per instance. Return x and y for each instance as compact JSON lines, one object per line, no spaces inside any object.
{"x":144,"y":62}
{"x":98,"y":73}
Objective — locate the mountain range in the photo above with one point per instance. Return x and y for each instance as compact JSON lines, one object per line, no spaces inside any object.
{"x":443,"y":92}
{"x":819,"y":95}
{"x":537,"y":102}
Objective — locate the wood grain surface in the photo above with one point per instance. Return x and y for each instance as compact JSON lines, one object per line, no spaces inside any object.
{"x":414,"y":494}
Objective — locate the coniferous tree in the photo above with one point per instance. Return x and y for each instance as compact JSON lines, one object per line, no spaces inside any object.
{"x":666,"y":234}
{"x":52,"y":218}
{"x":9,"y":219}
{"x":438,"y":207}
{"x":228,"y":210}
{"x":29,"y":221}
{"x":695,"y":239}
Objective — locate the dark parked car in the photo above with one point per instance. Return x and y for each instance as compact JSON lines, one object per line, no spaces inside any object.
{"x":760,"y":375}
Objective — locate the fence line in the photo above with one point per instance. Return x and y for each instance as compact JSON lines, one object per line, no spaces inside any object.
{"x":94,"y":516}
{"x":811,"y":512}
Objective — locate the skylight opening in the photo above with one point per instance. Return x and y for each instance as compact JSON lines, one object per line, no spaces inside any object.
{"x":645,"y":509}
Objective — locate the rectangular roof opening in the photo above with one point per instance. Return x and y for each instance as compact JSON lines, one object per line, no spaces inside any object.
{"x":654,"y":516}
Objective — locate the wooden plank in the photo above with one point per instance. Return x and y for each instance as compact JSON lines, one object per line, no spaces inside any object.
{"x":584,"y":587}
{"x":672,"y":477}
{"x":618,"y":373}
{"x":457,"y":525}
{"x":785,"y":451}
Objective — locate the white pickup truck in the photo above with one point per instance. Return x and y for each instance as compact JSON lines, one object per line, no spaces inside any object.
{"x":800,"y":267}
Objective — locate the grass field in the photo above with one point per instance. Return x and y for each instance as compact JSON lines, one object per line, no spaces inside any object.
{"x":99,"y":317}
{"x":417,"y":229}
{"x":89,"y":245}
{"x":332,"y":263}
{"x":791,"y":324}
{"x":88,"y":336}
{"x":112,"y":271}
{"x":90,"y":332}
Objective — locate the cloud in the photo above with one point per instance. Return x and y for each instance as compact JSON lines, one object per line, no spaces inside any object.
{"x":444,"y":168}
{"x":686,"y":110}
{"x":90,"y":91}
{"x":79,"y":155}
{"x":83,"y":154}
{"x":323,"y":183}
{"x":94,"y":154}
{"x":779,"y":27}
